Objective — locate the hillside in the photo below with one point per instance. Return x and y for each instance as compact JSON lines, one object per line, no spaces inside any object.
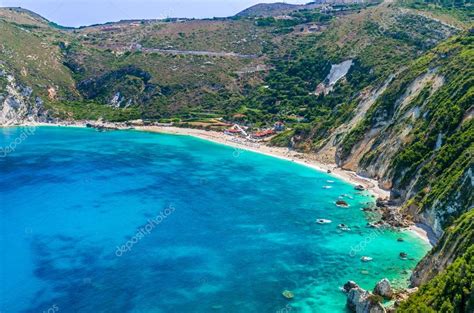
{"x":383,"y":90}
{"x":269,"y":9}
{"x":281,"y":8}
{"x":154,"y":69}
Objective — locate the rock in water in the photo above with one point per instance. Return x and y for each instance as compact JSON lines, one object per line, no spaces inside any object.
{"x":350,"y":285}
{"x":362,"y":301}
{"x":384,"y":289}
{"x":288,"y":294}
{"x":342,"y":203}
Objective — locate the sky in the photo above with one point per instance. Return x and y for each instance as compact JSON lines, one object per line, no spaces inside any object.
{"x":87,"y":12}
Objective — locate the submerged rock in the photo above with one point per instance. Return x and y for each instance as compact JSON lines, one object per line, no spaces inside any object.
{"x":342,"y":203}
{"x":288,"y":294}
{"x":359,"y":188}
{"x":384,"y":289}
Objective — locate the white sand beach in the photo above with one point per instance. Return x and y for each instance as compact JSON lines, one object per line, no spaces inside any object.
{"x":282,"y":153}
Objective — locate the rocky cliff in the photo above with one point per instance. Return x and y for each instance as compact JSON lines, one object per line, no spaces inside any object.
{"x":453,"y":244}
{"x":417,"y":137}
{"x":446,"y":274}
{"x":18,"y":105}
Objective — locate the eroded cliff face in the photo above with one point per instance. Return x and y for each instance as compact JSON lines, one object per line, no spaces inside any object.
{"x":454,"y":243}
{"x":18,"y":104}
{"x":457,"y":200}
{"x":416,"y":136}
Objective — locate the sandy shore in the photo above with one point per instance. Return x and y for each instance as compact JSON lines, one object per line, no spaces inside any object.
{"x":424,"y":232}
{"x":282,"y":153}
{"x":242,"y":144}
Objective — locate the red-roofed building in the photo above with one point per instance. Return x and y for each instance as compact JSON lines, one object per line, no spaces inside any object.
{"x":232,"y":131}
{"x":264,"y":133}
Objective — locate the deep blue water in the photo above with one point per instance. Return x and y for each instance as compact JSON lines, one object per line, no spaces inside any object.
{"x":207,"y":229}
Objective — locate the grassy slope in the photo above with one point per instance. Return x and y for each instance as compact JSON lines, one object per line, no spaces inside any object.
{"x":30,"y":52}
{"x":239,"y":36}
{"x":457,"y":12}
{"x":175,"y":84}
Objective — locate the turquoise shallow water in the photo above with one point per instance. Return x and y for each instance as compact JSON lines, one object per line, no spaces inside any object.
{"x":137,"y":222}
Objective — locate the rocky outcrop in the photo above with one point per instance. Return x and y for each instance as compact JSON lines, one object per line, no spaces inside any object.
{"x":384,"y":289}
{"x":350,"y":285}
{"x":19,"y":105}
{"x":362,"y":301}
{"x":338,"y":71}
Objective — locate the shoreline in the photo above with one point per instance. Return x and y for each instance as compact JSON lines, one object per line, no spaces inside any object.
{"x":370,"y":185}
{"x":277,"y":152}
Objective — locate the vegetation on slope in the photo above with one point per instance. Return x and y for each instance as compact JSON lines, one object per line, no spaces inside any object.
{"x":435,"y":129}
{"x":376,"y":41}
{"x":452,"y":290}
{"x":462,"y":10}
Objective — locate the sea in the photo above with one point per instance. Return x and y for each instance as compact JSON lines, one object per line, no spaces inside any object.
{"x":129,"y":221}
